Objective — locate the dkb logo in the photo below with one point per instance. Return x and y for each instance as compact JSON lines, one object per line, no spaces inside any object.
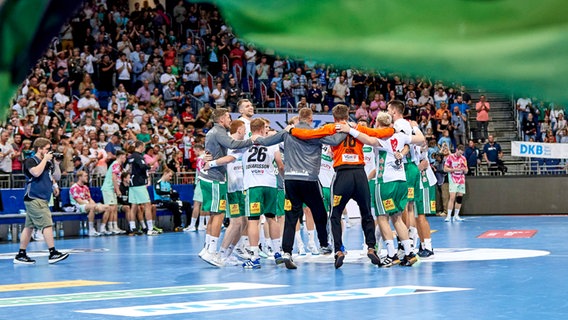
{"x":537,"y":150}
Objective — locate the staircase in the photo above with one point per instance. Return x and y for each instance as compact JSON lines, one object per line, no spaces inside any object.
{"x":502,"y":125}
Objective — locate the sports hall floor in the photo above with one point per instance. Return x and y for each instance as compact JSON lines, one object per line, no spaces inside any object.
{"x":516,"y":271}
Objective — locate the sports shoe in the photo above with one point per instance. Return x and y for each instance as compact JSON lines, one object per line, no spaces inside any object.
{"x":231,"y":261}
{"x":262,"y":252}
{"x":301,"y":250}
{"x":202,"y":227}
{"x":313,"y":249}
{"x":326,"y":250}
{"x":23,"y":259}
{"x":389,"y":261}
{"x":202,"y":252}
{"x":278,"y":258}
{"x":158,"y":230}
{"x":458,"y":219}
{"x":448,"y":219}
{"x":105,"y":232}
{"x":339,"y":257}
{"x":152,"y":233}
{"x":190,"y":228}
{"x":213,"y":259}
{"x":252,"y":264}
{"x":118,"y":231}
{"x":409,"y":260}
{"x":270,"y":252}
{"x":94,"y":233}
{"x":57,"y":256}
{"x":141,"y":232}
{"x":242,"y":253}
{"x":426,"y":254}
{"x":288,"y":262}
{"x":372,"y":254}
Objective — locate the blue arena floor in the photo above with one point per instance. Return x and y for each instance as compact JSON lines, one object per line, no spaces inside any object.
{"x":517,"y":270}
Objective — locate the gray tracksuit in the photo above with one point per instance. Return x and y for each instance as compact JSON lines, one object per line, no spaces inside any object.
{"x":217,"y":141}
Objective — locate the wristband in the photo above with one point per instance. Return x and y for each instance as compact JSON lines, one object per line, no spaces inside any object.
{"x":414,"y":129}
{"x":354,"y":133}
{"x":55,"y":185}
{"x":212,"y":164}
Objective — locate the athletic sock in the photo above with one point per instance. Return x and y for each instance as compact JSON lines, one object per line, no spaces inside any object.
{"x":132,"y":225}
{"x":413,"y":233}
{"x":390,"y":248}
{"x":91,"y":225}
{"x":428,"y":244}
{"x":457,"y":213}
{"x":449,"y":214}
{"x":311,"y":235}
{"x":407,"y":245}
{"x":298,"y":238}
{"x":213,"y":244}
{"x":193,"y":222}
{"x":150,"y":224}
{"x":143,"y":224}
{"x":207,"y":241}
{"x":277,"y":245}
{"x":255,"y":251}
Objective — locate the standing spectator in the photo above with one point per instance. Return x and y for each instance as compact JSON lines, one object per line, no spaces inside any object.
{"x":106,"y":73}
{"x":233,"y":94}
{"x":492,"y":154}
{"x":299,"y":85}
{"x":250,"y":56}
{"x":314,"y":97}
{"x":464,"y":107}
{"x":482,"y":118}
{"x":123,"y":71}
{"x":472,"y":155}
{"x":340,"y":91}
{"x":523,"y":109}
{"x":529,"y":127}
{"x":236,"y":57}
{"x":440,"y":97}
{"x":219,"y":95}
{"x":202,"y":91}
{"x":458,"y":125}
{"x":560,"y":125}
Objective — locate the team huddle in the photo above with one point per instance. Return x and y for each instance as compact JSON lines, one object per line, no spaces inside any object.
{"x":252,"y":173}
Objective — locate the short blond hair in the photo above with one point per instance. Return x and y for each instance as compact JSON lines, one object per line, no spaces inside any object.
{"x":383,"y":119}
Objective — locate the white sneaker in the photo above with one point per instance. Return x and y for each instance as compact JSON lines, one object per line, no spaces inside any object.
{"x":37,"y":235}
{"x":448,"y":219}
{"x":202,"y":252}
{"x":231,"y":261}
{"x":118,"y":231}
{"x":301,"y":250}
{"x":212,"y":259}
{"x":313,"y":249}
{"x":152,"y":233}
{"x":202,"y":228}
{"x":190,"y":228}
{"x":458,"y":219}
{"x":94,"y":233}
{"x":105,"y":232}
{"x":242,"y":253}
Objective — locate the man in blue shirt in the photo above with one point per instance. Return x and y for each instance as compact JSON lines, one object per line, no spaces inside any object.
{"x":492,"y":154}
{"x":464,"y":107}
{"x":202,"y":91}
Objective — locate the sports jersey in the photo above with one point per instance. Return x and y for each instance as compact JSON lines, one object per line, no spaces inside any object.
{"x":114,"y":169}
{"x":248,"y":133}
{"x":138,"y":170}
{"x":235,"y":171}
{"x":348,"y":153}
{"x":79,"y":192}
{"x":258,"y":167}
{"x":388,"y":167}
{"x":456,"y":162}
{"x":326,"y":168}
{"x":370,"y":163}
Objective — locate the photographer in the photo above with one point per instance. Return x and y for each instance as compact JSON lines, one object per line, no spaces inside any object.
{"x":165,"y":196}
{"x":39,"y":188}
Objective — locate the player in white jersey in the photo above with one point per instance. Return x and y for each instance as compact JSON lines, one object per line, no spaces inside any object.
{"x":370,"y":154}
{"x":425,"y":204}
{"x":261,"y":192}
{"x":246,"y":109}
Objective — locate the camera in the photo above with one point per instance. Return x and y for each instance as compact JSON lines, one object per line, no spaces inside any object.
{"x":58,"y":156}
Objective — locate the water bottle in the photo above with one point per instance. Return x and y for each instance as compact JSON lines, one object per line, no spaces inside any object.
{"x":84,"y":230}
{"x":80,"y":228}
{"x":19,"y":231}
{"x":54,"y":229}
{"x":61,"y":231}
{"x":9,"y":234}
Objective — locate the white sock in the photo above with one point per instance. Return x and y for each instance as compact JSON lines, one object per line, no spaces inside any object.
{"x":143,"y":224}
{"x":276,"y":245}
{"x":132,"y":225}
{"x":230,"y":249}
{"x":298,"y":238}
{"x":193,"y":222}
{"x":91,"y":225}
{"x":413,"y":233}
{"x":449,"y":216}
{"x":407,"y":245}
{"x":150,"y":224}
{"x":246,"y":241}
{"x":207,"y":241}
{"x":311,"y":235}
{"x":456,"y":212}
{"x":428,"y":244}
{"x":212,"y":244}
{"x":390,"y":248}
{"x":102,"y":227}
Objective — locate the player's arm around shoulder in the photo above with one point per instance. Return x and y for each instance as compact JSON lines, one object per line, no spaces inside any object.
{"x":320,"y":132}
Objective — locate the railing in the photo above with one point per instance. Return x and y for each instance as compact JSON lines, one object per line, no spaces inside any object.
{"x":196,"y":104}
{"x":18,"y":181}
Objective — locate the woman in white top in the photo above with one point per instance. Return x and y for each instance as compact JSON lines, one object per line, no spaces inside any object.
{"x":219,"y":94}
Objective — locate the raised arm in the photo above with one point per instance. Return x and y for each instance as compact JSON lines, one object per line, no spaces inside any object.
{"x":364,"y":138}
{"x":376,"y":132}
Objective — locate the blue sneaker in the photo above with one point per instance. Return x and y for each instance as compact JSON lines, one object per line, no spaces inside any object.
{"x":426,"y":254}
{"x":252,"y":264}
{"x":278,"y":258}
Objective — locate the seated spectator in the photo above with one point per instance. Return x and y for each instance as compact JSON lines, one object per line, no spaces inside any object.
{"x":445,"y":140}
{"x":80,"y":197}
{"x":493,"y":154}
{"x":165,"y":196}
{"x":529,"y":128}
{"x":560,"y":124}
{"x":544,"y":127}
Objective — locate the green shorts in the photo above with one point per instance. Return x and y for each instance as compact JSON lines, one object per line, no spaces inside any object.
{"x":109,"y":197}
{"x":197,"y":194}
{"x":37,"y":214}
{"x":372,"y":187}
{"x":456,"y":187}
{"x":391,"y":197}
{"x":412,"y":179}
{"x":138,"y":195}
{"x":280,"y":199}
{"x":214,"y":196}
{"x":236,"y":202}
{"x":326,"y":192}
{"x":260,"y":200}
{"x":426,"y":204}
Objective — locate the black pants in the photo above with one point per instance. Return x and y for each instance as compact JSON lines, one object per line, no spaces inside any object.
{"x":352,"y":184}
{"x":175,"y":209}
{"x":300,"y":192}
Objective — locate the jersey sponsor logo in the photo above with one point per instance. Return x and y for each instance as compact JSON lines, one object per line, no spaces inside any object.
{"x":350,"y":158}
{"x":388,"y":204}
{"x":222,"y":205}
{"x":234,"y":209}
{"x":433,"y":206}
{"x":336,"y":200}
{"x":287,"y":205}
{"x":257,"y":171}
{"x":325,"y":157}
{"x":367,"y":149}
{"x":410,"y":193}
{"x":255,"y":207}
